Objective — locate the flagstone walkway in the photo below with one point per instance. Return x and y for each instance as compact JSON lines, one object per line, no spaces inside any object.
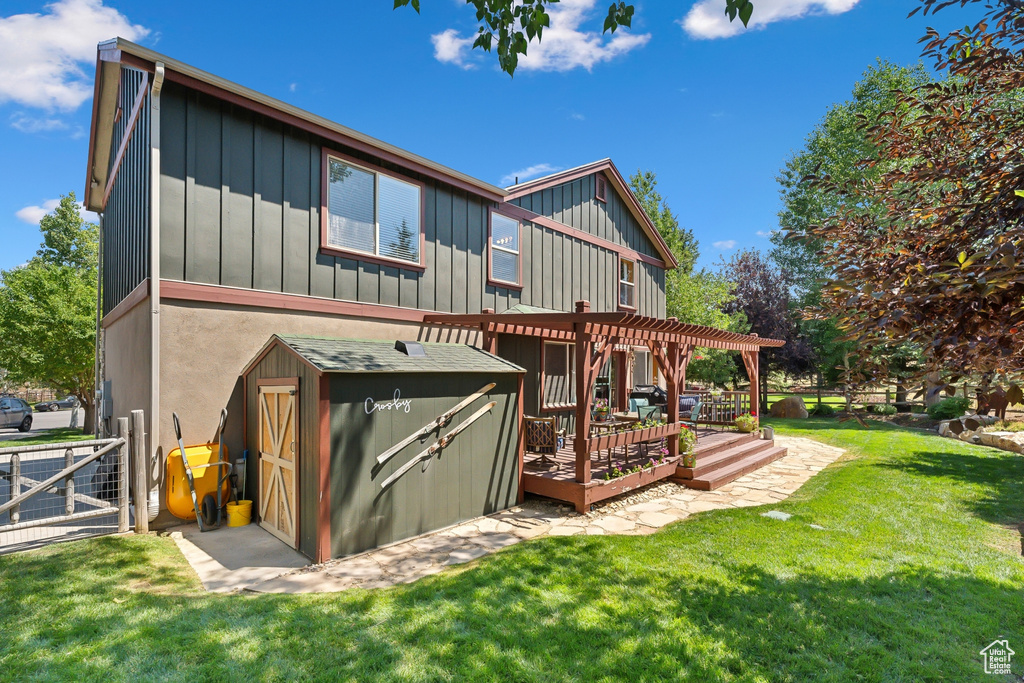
{"x":638,"y":512}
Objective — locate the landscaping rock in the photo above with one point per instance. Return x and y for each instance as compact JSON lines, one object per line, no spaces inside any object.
{"x":775,"y":514}
{"x":791,"y":407}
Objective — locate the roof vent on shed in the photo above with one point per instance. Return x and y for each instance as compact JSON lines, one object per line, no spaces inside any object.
{"x":411,"y":349}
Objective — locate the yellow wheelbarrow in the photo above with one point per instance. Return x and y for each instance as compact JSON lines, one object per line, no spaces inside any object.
{"x":198,"y":473}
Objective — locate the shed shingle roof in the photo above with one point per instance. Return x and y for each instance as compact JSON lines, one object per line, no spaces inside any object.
{"x":360,"y":355}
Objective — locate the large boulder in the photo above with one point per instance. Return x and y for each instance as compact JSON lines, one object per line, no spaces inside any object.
{"x":789,"y":407}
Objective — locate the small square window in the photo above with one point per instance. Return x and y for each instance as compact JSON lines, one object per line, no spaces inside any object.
{"x":601,"y":193}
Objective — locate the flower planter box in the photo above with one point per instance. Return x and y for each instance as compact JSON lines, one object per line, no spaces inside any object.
{"x":605,"y":441}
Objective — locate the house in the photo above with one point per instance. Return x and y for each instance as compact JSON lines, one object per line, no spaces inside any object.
{"x":228,"y":217}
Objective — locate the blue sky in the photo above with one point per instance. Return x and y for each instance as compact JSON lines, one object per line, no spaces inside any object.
{"x":714,"y":116}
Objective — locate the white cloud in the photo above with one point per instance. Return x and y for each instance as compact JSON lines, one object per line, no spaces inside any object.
{"x":450,"y":48}
{"x":292,"y":87}
{"x":707,"y":18}
{"x":563,"y":45}
{"x":576,"y":116}
{"x":36,"y":124}
{"x":725,"y":245}
{"x":528,"y":173}
{"x":46,"y":58}
{"x":765,"y":233}
{"x":33,"y":214}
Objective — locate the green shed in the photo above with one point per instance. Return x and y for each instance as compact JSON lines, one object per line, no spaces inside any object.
{"x":347,"y":439}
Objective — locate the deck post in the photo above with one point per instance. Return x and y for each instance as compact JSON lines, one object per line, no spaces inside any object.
{"x":672,"y":389}
{"x":489,"y":338}
{"x":584,"y":347}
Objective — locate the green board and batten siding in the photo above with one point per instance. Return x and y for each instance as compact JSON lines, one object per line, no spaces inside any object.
{"x":125,"y":220}
{"x":240,"y":206}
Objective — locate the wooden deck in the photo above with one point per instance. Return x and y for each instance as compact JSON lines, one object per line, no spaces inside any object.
{"x":740,"y":451}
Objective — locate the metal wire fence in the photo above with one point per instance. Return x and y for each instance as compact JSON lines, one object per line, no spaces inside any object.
{"x":57,"y":492}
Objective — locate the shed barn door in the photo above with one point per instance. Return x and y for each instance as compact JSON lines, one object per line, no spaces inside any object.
{"x":279,"y":448}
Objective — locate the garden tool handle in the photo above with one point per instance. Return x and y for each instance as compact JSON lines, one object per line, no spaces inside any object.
{"x":177,"y":428}
{"x":223,"y":420}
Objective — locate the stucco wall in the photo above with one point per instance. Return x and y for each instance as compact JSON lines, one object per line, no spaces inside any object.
{"x":204,"y":347}
{"x":126,"y":363}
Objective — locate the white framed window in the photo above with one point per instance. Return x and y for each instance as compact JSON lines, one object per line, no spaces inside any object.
{"x":504,"y":249}
{"x":627,"y":283}
{"x":372,"y":213}
{"x":558,"y":384}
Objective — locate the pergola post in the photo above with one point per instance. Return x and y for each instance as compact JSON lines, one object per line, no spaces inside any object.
{"x":672,"y":389}
{"x":751,"y":363}
{"x":584,"y":350}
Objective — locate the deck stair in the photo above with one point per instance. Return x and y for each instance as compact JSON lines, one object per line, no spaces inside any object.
{"x":724,"y":457}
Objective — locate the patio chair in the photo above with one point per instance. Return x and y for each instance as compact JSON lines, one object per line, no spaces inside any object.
{"x":542,"y":437}
{"x":648,"y":412}
{"x":692,"y":420}
{"x":644,"y":413}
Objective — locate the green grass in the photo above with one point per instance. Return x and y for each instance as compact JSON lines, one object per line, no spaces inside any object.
{"x":917,"y":568}
{"x":836,"y":402}
{"x":58,"y":435}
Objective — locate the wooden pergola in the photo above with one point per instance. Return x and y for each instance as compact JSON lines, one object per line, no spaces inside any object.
{"x":595,"y":336}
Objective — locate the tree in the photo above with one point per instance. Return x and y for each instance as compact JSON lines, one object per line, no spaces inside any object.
{"x":836,"y":146}
{"x":514,"y":24}
{"x":48,"y":309}
{"x":762,"y":295}
{"x":932,"y":256}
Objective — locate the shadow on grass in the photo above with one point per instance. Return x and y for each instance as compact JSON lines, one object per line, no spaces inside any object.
{"x":557,"y":609}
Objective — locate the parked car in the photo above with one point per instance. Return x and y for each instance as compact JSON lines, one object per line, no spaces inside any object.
{"x":62,"y":404}
{"x":15,"y":413}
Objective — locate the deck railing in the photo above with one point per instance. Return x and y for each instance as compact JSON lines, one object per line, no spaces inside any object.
{"x":721,"y":408}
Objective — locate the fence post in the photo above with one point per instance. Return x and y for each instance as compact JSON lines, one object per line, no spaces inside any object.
{"x":122,"y":476}
{"x":69,"y":483}
{"x":15,"y":486}
{"x":141,"y":481}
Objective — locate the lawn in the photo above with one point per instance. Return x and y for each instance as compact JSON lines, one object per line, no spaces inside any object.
{"x":58,"y":435}
{"x":916,"y":568}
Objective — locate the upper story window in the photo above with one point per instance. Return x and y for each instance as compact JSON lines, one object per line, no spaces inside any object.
{"x":372,"y":213}
{"x":627,"y":283}
{"x":601,"y":191}
{"x":504,"y":249}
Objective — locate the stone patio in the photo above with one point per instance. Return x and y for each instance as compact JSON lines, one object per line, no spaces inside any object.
{"x":638,"y":512}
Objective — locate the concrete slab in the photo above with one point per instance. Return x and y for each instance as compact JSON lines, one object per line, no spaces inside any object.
{"x":234,"y":558}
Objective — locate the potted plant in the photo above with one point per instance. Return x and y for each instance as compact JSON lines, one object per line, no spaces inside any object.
{"x":601,"y":409}
{"x":746,"y":423}
{"x":688,"y":446}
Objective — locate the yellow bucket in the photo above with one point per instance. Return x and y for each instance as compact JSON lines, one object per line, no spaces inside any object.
{"x":240,"y":513}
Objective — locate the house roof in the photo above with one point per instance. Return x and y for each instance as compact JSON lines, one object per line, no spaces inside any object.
{"x":118,"y":51}
{"x":607,"y":167}
{"x":360,"y":355}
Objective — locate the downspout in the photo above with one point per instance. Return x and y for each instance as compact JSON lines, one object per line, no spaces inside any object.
{"x":154,"y":280}
{"x":98,"y":344}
